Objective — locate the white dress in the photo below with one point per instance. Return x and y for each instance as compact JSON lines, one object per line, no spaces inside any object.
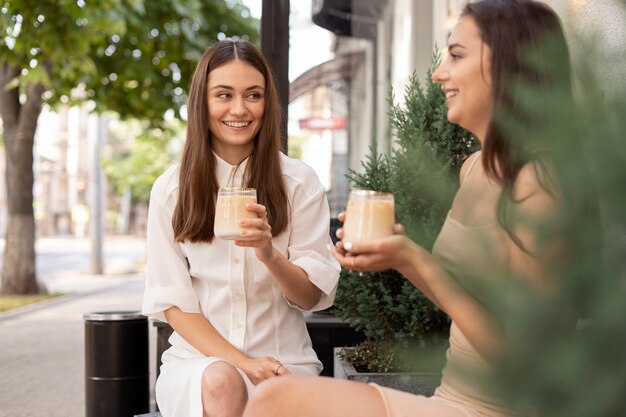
{"x":232,"y":289}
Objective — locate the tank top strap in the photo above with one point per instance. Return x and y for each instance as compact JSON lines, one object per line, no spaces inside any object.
{"x":472,"y":163}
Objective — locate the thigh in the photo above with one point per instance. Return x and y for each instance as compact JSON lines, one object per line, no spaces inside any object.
{"x":304,"y":396}
{"x":404,"y":404}
{"x":329,"y":397}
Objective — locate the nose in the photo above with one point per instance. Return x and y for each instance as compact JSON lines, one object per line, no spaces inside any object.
{"x":440,"y":75}
{"x":238,"y":107}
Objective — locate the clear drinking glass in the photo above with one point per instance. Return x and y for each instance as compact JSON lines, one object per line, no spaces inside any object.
{"x":369,"y":215}
{"x":229,"y":209}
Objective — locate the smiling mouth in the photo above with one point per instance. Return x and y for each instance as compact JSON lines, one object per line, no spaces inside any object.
{"x":450,"y":94}
{"x":237,"y":124}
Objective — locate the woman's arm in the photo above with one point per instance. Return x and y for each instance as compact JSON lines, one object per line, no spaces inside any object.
{"x":200,"y":333}
{"x":292,"y":280}
{"x":418,"y":266}
{"x":306,"y":274}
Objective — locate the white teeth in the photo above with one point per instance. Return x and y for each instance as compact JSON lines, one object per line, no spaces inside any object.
{"x":451,"y":93}
{"x":237,"y":124}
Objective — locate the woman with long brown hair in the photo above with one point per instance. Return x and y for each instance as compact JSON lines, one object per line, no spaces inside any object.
{"x":490,"y":236}
{"x":236,"y":306}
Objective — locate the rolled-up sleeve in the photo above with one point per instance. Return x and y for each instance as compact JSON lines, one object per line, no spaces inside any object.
{"x":168,"y":282}
{"x":309,"y":239}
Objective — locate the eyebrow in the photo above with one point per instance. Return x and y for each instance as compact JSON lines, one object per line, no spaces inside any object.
{"x":227,"y":87}
{"x":455,"y":45}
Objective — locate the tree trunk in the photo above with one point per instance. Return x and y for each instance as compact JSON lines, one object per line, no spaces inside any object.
{"x":19,"y":119}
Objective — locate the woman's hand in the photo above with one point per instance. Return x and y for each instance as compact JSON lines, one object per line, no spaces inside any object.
{"x":393,"y":252}
{"x":260,"y":369}
{"x":258,"y":233}
{"x":374,"y":255}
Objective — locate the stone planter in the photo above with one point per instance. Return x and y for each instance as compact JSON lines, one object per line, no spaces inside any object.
{"x":422,"y":383}
{"x":327,"y":332}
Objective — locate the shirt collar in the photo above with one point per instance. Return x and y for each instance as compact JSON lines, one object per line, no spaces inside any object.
{"x":230,"y":175}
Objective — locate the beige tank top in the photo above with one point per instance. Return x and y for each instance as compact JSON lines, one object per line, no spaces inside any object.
{"x":473,"y":252}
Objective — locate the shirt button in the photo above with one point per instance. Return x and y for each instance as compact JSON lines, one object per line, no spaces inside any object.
{"x":236,"y":260}
{"x":238,"y":296}
{"x":238,"y":326}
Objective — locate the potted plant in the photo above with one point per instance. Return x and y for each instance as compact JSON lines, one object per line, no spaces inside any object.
{"x":405,"y":332}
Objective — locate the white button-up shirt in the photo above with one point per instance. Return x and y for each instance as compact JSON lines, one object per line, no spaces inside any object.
{"x":228,"y":284}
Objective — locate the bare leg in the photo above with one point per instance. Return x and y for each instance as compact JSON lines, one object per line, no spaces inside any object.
{"x":224,"y":392}
{"x":289,"y":396}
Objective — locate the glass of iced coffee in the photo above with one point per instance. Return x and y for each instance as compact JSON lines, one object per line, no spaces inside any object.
{"x":229,"y":209}
{"x":369,"y":215}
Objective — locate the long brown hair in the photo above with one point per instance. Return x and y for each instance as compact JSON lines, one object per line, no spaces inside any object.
{"x":517,"y":32}
{"x":195,"y":210}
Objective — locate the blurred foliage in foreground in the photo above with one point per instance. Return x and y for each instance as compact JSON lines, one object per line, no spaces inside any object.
{"x":554,"y":368}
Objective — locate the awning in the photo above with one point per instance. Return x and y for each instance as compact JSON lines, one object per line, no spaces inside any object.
{"x":338,"y":68}
{"x":356,"y":18}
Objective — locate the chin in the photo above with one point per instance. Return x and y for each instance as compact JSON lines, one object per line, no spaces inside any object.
{"x":452,"y":118}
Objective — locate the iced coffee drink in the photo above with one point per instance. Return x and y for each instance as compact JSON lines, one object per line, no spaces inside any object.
{"x":230,"y":208}
{"x":369,"y":215}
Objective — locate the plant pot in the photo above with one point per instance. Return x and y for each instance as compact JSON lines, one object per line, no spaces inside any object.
{"x":422,"y":383}
{"x":327,"y":332}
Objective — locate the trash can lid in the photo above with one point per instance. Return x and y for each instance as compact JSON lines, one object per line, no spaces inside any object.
{"x":113,"y":315}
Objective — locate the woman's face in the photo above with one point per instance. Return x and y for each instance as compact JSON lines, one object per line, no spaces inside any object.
{"x":236,"y":103}
{"x":465,"y":75}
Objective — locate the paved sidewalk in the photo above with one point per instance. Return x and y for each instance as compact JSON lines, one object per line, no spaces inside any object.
{"x":42,"y":356}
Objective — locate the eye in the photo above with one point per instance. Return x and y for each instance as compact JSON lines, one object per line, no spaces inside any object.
{"x":454,"y":57}
{"x":255,"y":95}
{"x":223,"y":95}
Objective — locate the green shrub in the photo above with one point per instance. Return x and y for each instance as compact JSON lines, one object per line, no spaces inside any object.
{"x":368,"y":357}
{"x":422,"y":172}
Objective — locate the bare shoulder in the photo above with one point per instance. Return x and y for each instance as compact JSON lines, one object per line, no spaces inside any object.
{"x":535,"y":190}
{"x":467,"y":164}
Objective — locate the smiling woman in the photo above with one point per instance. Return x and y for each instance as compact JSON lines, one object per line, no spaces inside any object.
{"x":236,"y":306}
{"x":468,"y":61}
{"x":236,"y":101}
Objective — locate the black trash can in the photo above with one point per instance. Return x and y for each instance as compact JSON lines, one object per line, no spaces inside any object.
{"x":116,"y":364}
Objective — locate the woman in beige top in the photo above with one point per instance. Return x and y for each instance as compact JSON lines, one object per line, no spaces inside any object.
{"x":480,"y":238}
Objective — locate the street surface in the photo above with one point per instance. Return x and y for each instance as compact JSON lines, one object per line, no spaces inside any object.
{"x":42,"y":361}
{"x":59,"y":256}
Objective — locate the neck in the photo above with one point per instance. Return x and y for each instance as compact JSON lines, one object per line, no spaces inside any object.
{"x":233,"y":156}
{"x":480,"y":134}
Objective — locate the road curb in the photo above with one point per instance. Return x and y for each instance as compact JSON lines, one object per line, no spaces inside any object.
{"x":31,"y":308}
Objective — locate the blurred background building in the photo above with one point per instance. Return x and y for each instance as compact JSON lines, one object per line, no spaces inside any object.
{"x":344,"y":57}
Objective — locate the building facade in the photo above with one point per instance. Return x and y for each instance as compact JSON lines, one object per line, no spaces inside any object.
{"x":379,"y":44}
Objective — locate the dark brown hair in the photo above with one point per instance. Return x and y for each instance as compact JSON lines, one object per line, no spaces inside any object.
{"x":195,"y":210}
{"x":533,"y":100}
{"x":526,"y":39}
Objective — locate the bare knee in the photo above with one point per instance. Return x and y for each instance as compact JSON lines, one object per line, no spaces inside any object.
{"x":223,"y":390}
{"x":270,"y":398}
